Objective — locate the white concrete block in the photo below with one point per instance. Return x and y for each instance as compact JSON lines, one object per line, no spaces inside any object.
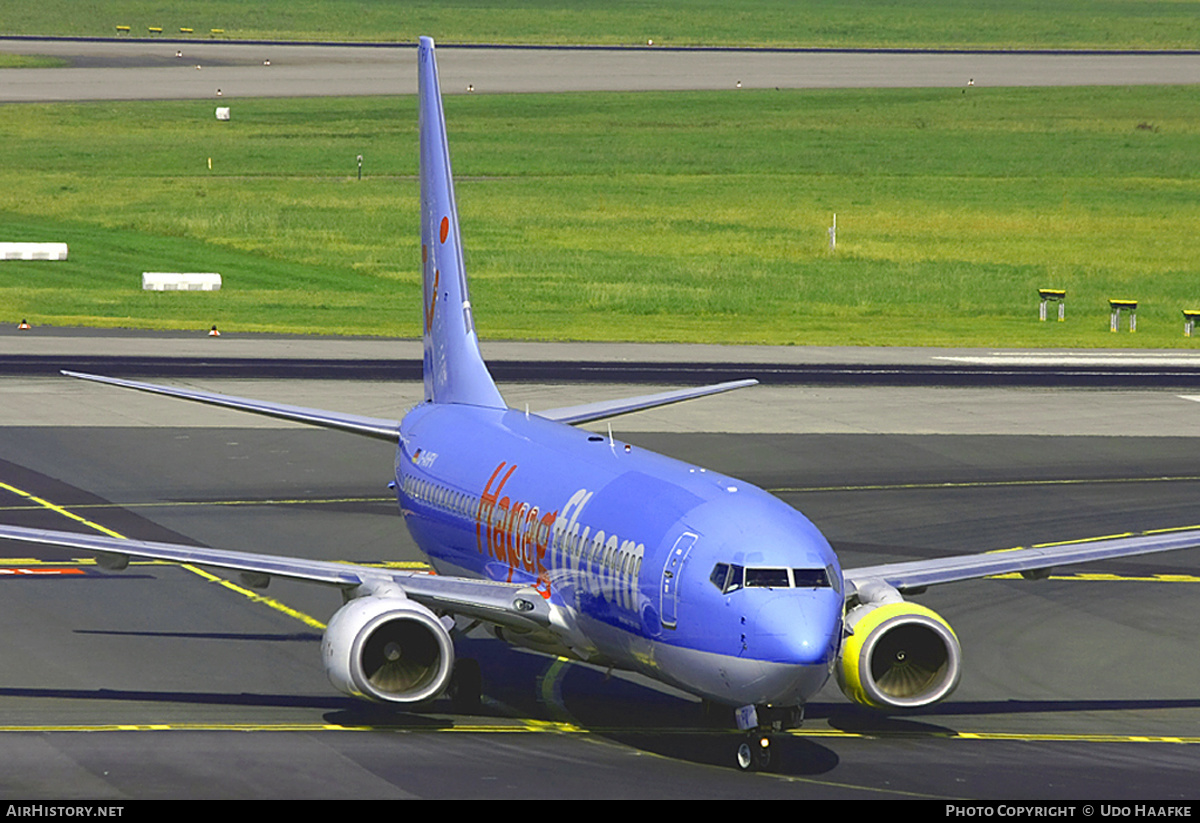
{"x":180,"y":281}
{"x":33,"y":251}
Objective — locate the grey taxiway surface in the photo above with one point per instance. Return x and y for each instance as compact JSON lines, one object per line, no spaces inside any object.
{"x":114,"y":70}
{"x":162,"y":682}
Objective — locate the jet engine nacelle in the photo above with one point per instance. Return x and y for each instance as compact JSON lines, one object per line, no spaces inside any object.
{"x":898,"y":655}
{"x":387,"y":649}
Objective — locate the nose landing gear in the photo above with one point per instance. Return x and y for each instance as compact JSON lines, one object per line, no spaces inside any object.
{"x":754,"y":752}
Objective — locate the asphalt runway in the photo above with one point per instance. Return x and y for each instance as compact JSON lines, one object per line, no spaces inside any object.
{"x":160,"y":682}
{"x":114,"y":70}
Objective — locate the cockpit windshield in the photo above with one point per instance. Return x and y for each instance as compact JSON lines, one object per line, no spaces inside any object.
{"x":729,"y":577}
{"x":767,"y":578}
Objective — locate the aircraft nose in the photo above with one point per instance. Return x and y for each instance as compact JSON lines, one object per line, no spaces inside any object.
{"x":797,"y":627}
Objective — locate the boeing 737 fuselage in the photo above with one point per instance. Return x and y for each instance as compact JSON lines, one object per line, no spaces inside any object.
{"x":694,"y":578}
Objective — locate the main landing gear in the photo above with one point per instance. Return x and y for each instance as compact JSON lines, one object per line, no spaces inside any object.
{"x":466,"y":686}
{"x":754,"y":751}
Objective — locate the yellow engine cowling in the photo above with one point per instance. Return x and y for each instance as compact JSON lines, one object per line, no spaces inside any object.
{"x":898,"y":655}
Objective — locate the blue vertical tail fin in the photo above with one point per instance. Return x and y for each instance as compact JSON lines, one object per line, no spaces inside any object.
{"x":454,"y":368}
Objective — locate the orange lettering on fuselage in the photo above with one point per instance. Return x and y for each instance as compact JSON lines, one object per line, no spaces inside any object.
{"x":511,"y":531}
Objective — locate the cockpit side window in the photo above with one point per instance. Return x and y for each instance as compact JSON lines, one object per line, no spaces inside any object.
{"x":720,"y":575}
{"x":835,"y":579}
{"x":726,"y":577}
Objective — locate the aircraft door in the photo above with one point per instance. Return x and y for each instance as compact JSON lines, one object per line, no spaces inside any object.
{"x":670,"y":578}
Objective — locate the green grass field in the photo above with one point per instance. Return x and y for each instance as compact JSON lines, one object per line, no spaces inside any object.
{"x":653,"y":216}
{"x":1166,"y":24}
{"x":34,"y":61}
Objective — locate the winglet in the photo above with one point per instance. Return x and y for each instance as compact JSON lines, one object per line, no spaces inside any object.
{"x":454,"y":368}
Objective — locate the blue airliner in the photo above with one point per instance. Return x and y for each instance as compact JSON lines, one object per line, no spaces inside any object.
{"x":575,"y":544}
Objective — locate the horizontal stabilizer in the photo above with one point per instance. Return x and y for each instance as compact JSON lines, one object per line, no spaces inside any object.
{"x":612,"y":408}
{"x":356,"y":424}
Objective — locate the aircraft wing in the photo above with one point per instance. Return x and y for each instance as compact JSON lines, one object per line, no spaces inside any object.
{"x":357,"y":424}
{"x":1035,"y":561}
{"x":507,"y":604}
{"x":589,"y":412}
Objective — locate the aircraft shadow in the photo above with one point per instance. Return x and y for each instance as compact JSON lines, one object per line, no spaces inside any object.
{"x":335,"y":710}
{"x":203,"y":698}
{"x":649,"y":718}
{"x":638,"y":715}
